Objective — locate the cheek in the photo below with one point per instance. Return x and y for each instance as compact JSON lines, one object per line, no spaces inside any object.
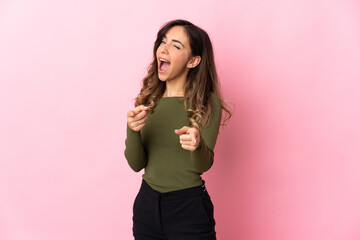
{"x":157,"y":51}
{"x":181,"y":59}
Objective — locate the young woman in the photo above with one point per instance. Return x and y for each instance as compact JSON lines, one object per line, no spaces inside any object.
{"x":171,"y":133}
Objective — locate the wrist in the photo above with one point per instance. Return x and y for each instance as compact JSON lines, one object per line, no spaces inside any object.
{"x":200,"y":145}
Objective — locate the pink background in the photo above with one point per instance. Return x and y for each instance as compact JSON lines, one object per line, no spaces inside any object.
{"x":286,"y":167}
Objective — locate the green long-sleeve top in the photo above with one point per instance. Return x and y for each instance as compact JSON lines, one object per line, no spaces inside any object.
{"x":156,"y":147}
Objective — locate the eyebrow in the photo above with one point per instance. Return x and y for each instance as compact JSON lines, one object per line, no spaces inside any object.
{"x":174,"y":40}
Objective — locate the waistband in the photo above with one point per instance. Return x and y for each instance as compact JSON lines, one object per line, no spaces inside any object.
{"x":177,"y":194}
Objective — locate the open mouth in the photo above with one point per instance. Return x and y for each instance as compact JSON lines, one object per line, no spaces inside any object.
{"x":163,"y":65}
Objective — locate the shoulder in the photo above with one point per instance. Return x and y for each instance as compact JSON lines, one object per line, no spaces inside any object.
{"x":211,"y":128}
{"x":215,"y":101}
{"x":216,"y":107}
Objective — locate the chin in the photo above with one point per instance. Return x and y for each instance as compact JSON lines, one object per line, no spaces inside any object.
{"x":162,"y":78}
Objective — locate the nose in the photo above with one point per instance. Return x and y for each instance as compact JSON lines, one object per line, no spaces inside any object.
{"x":163,"y":48}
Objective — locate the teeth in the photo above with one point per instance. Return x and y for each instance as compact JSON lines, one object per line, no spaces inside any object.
{"x":163,"y":60}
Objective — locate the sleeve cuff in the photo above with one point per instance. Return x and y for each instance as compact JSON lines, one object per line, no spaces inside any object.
{"x":131,"y":132}
{"x":200,"y":146}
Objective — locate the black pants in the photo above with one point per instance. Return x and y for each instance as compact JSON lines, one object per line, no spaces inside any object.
{"x":185,"y":214}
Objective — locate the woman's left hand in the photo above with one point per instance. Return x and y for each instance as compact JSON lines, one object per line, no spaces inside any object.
{"x":189,"y":137}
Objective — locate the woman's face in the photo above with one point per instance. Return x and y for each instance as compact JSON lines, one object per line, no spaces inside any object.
{"x":174,"y":55}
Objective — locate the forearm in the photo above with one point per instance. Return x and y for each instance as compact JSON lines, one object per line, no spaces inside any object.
{"x":134,"y":150}
{"x":202,"y":158}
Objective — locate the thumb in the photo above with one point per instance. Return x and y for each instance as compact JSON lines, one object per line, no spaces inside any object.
{"x":182,"y":130}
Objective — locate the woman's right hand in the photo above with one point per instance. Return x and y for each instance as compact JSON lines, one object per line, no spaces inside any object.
{"x":136,"y":118}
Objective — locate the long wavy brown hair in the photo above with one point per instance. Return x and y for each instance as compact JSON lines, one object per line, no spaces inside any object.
{"x":200,"y":83}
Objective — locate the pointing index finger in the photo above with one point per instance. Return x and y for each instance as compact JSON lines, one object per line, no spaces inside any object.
{"x":182,"y":130}
{"x":139,"y":109}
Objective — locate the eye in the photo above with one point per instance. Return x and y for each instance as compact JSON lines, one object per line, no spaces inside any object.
{"x":162,"y":42}
{"x":176,"y":47}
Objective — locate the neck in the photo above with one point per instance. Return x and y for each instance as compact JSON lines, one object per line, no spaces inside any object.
{"x":174,"y":88}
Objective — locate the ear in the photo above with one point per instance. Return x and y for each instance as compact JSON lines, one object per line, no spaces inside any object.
{"x":194,"y":61}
